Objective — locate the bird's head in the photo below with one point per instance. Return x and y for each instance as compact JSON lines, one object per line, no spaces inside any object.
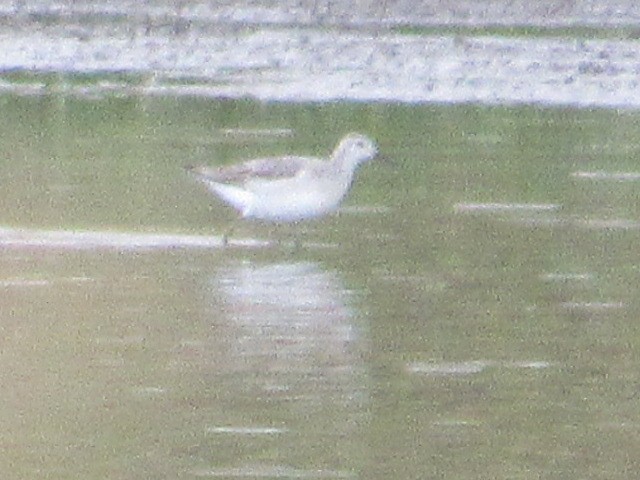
{"x":356,"y":149}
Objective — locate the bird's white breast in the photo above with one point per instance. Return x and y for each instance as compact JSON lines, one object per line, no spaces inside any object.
{"x":293,"y":199}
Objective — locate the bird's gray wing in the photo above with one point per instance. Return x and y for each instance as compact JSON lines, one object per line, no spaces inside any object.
{"x":261,"y":168}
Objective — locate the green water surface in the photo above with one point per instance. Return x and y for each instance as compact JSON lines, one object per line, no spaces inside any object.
{"x":411,"y":340}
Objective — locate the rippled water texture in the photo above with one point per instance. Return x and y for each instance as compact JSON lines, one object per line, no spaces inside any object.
{"x":470,"y":313}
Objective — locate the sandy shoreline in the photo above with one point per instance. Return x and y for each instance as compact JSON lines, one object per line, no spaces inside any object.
{"x":280,"y":54}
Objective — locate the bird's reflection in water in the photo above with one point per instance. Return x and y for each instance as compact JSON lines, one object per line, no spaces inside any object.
{"x":292,"y":328}
{"x":293,"y":358}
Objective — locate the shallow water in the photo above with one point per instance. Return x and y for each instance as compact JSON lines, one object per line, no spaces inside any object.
{"x":472,"y":313}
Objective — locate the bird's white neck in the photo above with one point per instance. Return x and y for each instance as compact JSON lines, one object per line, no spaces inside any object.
{"x":344,"y":163}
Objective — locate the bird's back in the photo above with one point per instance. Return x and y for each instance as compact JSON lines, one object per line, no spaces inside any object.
{"x":272,"y":168}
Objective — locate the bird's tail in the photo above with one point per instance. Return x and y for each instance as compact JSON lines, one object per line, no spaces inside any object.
{"x":237,"y":197}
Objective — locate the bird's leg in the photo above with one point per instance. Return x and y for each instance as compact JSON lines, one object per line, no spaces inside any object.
{"x":293,"y":238}
{"x":227,"y":232}
{"x":270,"y":234}
{"x":297,"y":244}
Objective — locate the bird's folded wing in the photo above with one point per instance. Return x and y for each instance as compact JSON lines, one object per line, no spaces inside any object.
{"x":261,"y":168}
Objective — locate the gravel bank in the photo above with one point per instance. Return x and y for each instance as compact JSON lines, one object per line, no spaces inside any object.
{"x":322,"y":51}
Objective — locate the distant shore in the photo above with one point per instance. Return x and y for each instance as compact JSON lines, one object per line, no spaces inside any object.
{"x":308,"y":51}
